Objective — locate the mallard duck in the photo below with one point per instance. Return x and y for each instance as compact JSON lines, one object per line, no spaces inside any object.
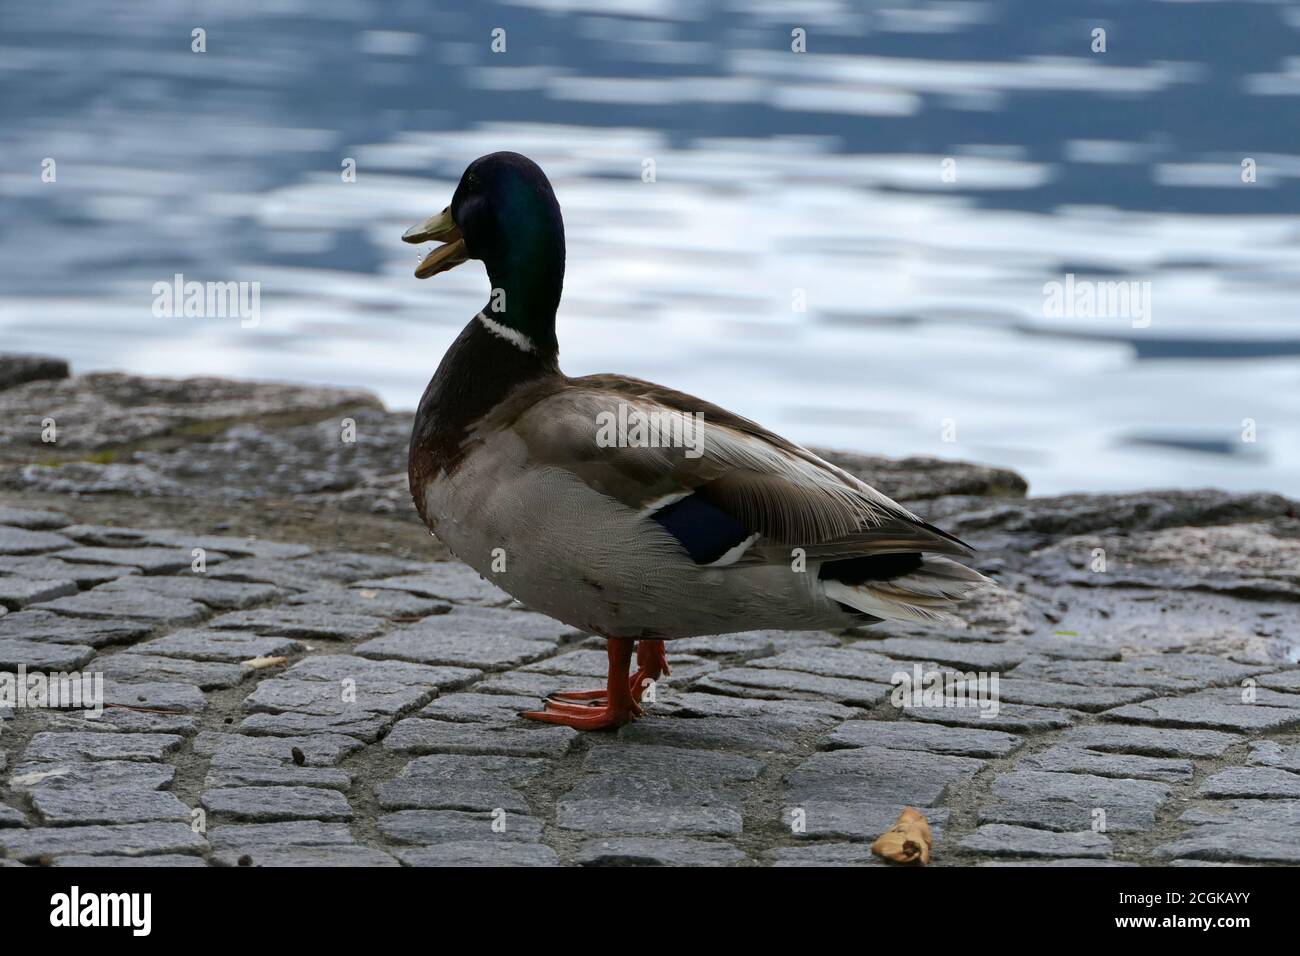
{"x":626,"y":509}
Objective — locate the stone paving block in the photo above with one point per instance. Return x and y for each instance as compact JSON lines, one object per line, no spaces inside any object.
{"x":22,"y":541}
{"x":306,"y":856}
{"x":109,"y":536}
{"x":1163,"y":672}
{"x":235,"y":547}
{"x":427,"y":827}
{"x":741,"y":734}
{"x":279,"y":775}
{"x":517,"y":771}
{"x":907,"y":777}
{"x":964,"y":655}
{"x":312,"y":571}
{"x":1247,"y":559}
{"x":42,"y":655}
{"x":1269,"y":753}
{"x":645,"y":851}
{"x":63,"y":747}
{"x":379,"y":674}
{"x":118,"y":537}
{"x":840,"y":662}
{"x":1072,"y":862}
{"x":365,"y":726}
{"x":752,"y":644}
{"x":534,"y":684}
{"x":33,"y":519}
{"x":231,"y":647}
{"x":1288,"y":681}
{"x":211,"y":592}
{"x":11,"y":817}
{"x":663,"y":791}
{"x":1067,"y":801}
{"x":267,"y":804}
{"x":119,"y":720}
{"x":131,"y":603}
{"x":472,"y":707}
{"x":444,"y":582}
{"x":287,"y":833}
{"x":417,"y":735}
{"x":393,"y":605}
{"x":44,"y":566}
{"x":276,"y":694}
{"x":1151,"y":741}
{"x":148,"y":560}
{"x":1068,"y":648}
{"x":130,"y":839}
{"x":1261,"y":831}
{"x":657,"y":790}
{"x":206,"y":675}
{"x":82,"y":774}
{"x":319,"y":750}
{"x":414,"y":793}
{"x":775,"y":683}
{"x":1068,"y":759}
{"x":92,"y":804}
{"x":613,"y":815}
{"x":301,"y":623}
{"x":1070,"y":696}
{"x":157,"y":695}
{"x":36,"y":624}
{"x":807,"y":713}
{"x":487,"y":638}
{"x":861,"y":817}
{"x":476,"y":853}
{"x":19,"y":592}
{"x":161,"y":860}
{"x":1212,"y":710}
{"x":999,"y":839}
{"x":1010,"y":718}
{"x":708,"y":767}
{"x":824,"y":853}
{"x":1260,"y":782}
{"x":932,"y":738}
{"x":1201,"y":863}
{"x":459,"y":782}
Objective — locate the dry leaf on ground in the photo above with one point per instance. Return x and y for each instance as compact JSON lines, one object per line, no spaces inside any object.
{"x":907,"y":841}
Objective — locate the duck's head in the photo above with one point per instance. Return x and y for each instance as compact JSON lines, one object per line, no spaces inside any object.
{"x":503,"y":212}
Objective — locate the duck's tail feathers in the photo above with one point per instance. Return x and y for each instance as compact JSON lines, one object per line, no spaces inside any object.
{"x":924,"y":595}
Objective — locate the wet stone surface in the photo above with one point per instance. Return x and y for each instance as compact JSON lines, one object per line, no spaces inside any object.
{"x":333,"y":694}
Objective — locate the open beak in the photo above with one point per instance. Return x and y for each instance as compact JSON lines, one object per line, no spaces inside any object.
{"x":439,"y":228}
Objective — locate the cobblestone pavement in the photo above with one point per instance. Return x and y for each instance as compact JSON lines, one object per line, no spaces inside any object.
{"x":324,"y":707}
{"x":341,"y":696}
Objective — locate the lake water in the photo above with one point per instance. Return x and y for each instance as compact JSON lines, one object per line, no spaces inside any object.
{"x":804,"y":254}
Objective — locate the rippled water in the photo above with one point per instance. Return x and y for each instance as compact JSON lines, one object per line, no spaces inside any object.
{"x":778,"y":175}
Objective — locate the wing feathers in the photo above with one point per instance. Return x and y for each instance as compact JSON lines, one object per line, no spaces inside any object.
{"x":768,"y":485}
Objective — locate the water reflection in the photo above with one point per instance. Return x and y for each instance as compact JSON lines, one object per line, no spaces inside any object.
{"x":781,"y":179}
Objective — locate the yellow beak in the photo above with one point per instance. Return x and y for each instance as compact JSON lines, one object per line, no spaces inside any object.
{"x":439,"y":228}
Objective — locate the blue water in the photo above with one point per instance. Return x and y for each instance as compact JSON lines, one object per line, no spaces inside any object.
{"x":781,"y":179}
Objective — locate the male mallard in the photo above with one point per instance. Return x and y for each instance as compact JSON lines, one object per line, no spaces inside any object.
{"x":627,"y":509}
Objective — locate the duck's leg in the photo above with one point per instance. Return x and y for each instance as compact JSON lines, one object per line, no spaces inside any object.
{"x":651,"y":664}
{"x":618,"y":708}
